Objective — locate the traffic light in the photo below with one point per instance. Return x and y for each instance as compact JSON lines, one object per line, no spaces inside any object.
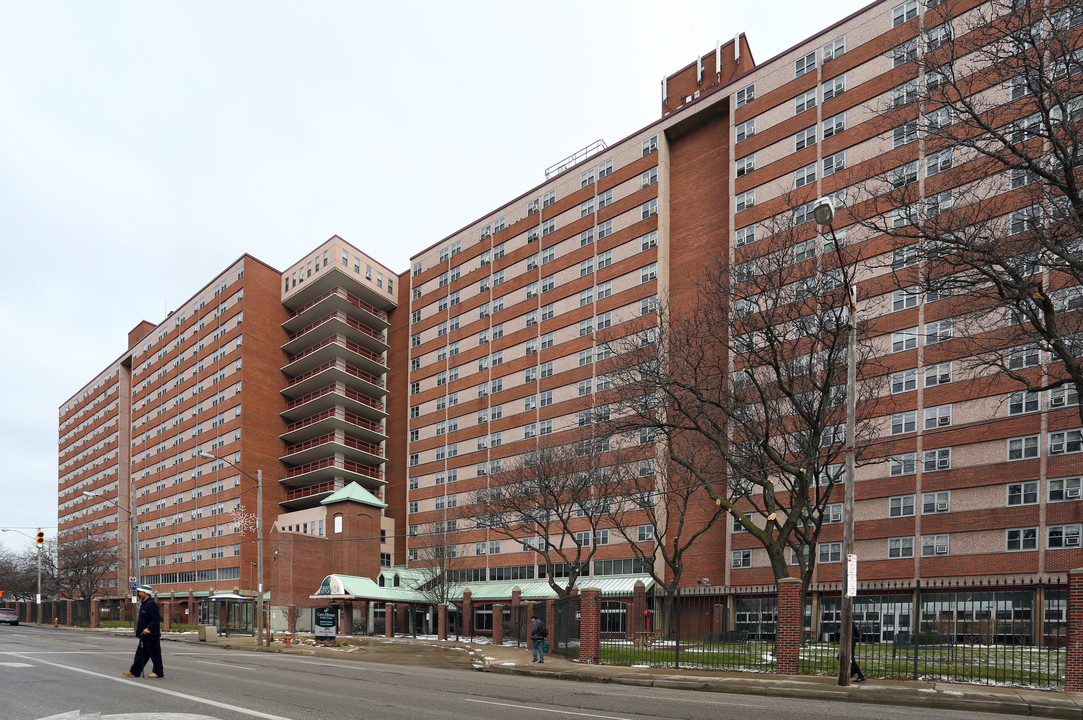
{"x":41,"y":539}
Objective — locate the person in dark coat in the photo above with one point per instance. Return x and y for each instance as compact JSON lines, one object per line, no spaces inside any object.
{"x":854,"y":669}
{"x":148,"y":629}
{"x":538,"y":633}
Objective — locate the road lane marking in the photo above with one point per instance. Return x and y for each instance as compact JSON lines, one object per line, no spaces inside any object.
{"x":147,"y":685}
{"x":519,"y":706}
{"x":8,"y":664}
{"x":230,"y":665}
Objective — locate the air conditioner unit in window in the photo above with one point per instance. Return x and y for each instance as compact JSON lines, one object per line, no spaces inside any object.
{"x":532,"y":265}
{"x":485,"y":236}
{"x":531,"y":321}
{"x":532,"y":237}
{"x":1071,"y":493}
{"x":531,"y":210}
{"x":1056,"y":401}
{"x":942,"y":506}
{"x":840,"y":165}
{"x":941,"y":549}
{"x":483,"y":313}
{"x":530,"y":351}
{"x":942,"y":421}
{"x":1071,"y":540}
{"x":484,"y":262}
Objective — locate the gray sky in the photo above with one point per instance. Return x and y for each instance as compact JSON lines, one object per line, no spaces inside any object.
{"x":144,"y":146}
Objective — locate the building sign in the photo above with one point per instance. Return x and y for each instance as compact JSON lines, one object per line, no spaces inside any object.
{"x":326,"y":623}
{"x":851,"y":576}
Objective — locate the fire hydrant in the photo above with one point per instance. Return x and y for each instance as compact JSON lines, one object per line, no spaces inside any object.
{"x":56,"y":622}
{"x":289,"y":640}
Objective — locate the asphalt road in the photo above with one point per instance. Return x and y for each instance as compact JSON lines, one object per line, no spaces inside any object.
{"x":65,"y":675}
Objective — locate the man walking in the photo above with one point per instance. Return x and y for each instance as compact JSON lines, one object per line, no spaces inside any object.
{"x":538,"y":633}
{"x":148,"y":630}
{"x":855,"y":669}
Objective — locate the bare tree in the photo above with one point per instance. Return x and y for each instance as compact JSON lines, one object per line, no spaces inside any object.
{"x":552,"y":501}
{"x":989,"y":216}
{"x":84,"y":560}
{"x":439,"y":563}
{"x":661,"y":510}
{"x":745,"y":384}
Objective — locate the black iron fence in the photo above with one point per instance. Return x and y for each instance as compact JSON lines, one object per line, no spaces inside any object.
{"x":977,"y":631}
{"x":564,"y":635}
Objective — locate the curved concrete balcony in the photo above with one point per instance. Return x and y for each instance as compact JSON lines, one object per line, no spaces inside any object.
{"x":336,"y":371}
{"x":320,"y":300}
{"x":331,"y":469}
{"x":330,"y":419}
{"x":335,"y":443}
{"x":337,"y":323}
{"x":310,"y":495}
{"x":331,"y":396}
{"x":336,"y":347}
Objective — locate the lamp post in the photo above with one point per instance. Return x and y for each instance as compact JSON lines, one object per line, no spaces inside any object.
{"x":259,"y":537}
{"x":39,"y":563}
{"x":824,"y":211}
{"x":133,"y":534}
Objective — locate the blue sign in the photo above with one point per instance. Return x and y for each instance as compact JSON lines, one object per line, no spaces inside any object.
{"x":131,"y":584}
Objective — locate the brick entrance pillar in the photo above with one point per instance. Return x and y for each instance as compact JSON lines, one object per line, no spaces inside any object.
{"x":166,"y":610}
{"x":441,"y":621}
{"x":389,"y":620}
{"x":70,"y":607}
{"x":590,"y":625}
{"x":1073,"y":675}
{"x":498,"y":624}
{"x":638,"y":620}
{"x":788,"y":627}
{"x":95,"y":614}
{"x":466,"y":620}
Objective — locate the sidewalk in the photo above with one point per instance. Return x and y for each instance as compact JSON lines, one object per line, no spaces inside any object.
{"x":509,"y":659}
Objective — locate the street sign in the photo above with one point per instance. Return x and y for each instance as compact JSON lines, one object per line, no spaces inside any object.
{"x":851,"y":576}
{"x":131,"y":583}
{"x":326,"y":623}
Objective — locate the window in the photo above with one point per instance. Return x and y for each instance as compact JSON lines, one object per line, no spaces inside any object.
{"x":901,"y":506}
{"x":904,"y":340}
{"x":834,"y":163}
{"x":1062,"y":536}
{"x":939,"y":203}
{"x":804,"y":101}
{"x":933,"y":545}
{"x":745,"y":200}
{"x":650,"y":207}
{"x":648,"y":241}
{"x":644,"y":533}
{"x":933,"y":460}
{"x":935,"y":502}
{"x":805,"y":138}
{"x":939,"y":331}
{"x":745,"y":235}
{"x":903,"y":13}
{"x":804,"y":65}
{"x":904,"y":53}
{"x":937,"y":36}
{"x":904,"y":464}
{"x":938,"y":162}
{"x":1018,"y":539}
{"x":905,"y":134}
{"x":1024,"y":357}
{"x":605,"y":229}
{"x":547,"y":369}
{"x":904,"y":381}
{"x":1023,"y":448}
{"x":582,"y":538}
{"x":804,"y":250}
{"x":829,"y":552}
{"x":834,"y":48}
{"x":746,"y":165}
{"x":548,"y":283}
{"x":834,"y":87}
{"x":904,"y":94}
{"x":900,"y":547}
{"x":905,"y":422}
{"x":1024,"y":401}
{"x":1061,"y":443}
{"x":648,"y":146}
{"x":904,"y":299}
{"x":937,"y":417}
{"x":546,"y":341}
{"x":741,"y":558}
{"x":746,"y":129}
{"x":939,"y":374}
{"x":1062,"y":489}
{"x":546,"y":398}
{"x":905,"y":175}
{"x":745,"y":95}
{"x":834,"y":125}
{"x":1023,"y":493}
{"x":805,"y":176}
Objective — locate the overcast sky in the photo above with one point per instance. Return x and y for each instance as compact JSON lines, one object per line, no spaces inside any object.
{"x":145,"y":146}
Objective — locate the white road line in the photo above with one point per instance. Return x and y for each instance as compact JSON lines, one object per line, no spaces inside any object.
{"x":518,"y":706}
{"x":230,"y":665}
{"x":149,"y":686}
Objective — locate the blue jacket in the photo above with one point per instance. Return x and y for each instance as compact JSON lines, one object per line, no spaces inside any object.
{"x":149,"y":617}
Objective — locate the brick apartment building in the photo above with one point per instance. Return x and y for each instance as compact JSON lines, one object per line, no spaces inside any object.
{"x":377,"y":405}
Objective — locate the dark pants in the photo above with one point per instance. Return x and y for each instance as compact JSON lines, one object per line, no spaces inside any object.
{"x":150,"y":648}
{"x":854,"y":669}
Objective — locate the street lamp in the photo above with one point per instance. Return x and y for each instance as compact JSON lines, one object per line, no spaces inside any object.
{"x":259,"y":537}
{"x":824,"y":212}
{"x":133,"y":534}
{"x":40,"y":535}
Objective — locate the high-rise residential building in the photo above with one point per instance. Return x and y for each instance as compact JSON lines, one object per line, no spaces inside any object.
{"x":407,"y":395}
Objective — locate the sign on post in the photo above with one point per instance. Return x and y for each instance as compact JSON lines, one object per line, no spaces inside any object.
{"x":326,"y":623}
{"x":131,"y":583}
{"x":851,"y":575}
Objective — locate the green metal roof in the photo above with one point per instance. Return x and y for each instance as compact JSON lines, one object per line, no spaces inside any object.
{"x":356,"y":493}
{"x":346,"y":587}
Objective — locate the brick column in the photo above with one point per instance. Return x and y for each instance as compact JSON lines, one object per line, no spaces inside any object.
{"x":95,"y":614}
{"x":498,"y":624}
{"x":389,"y":619}
{"x":549,"y":617}
{"x":71,"y":612}
{"x":788,"y":627}
{"x":467,"y":619}
{"x":167,"y":615}
{"x":718,"y":618}
{"x":590,"y":625}
{"x":441,"y":621}
{"x":638,"y":620}
{"x":1073,"y":675}
{"x":516,"y":596}
{"x":360,"y":614}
